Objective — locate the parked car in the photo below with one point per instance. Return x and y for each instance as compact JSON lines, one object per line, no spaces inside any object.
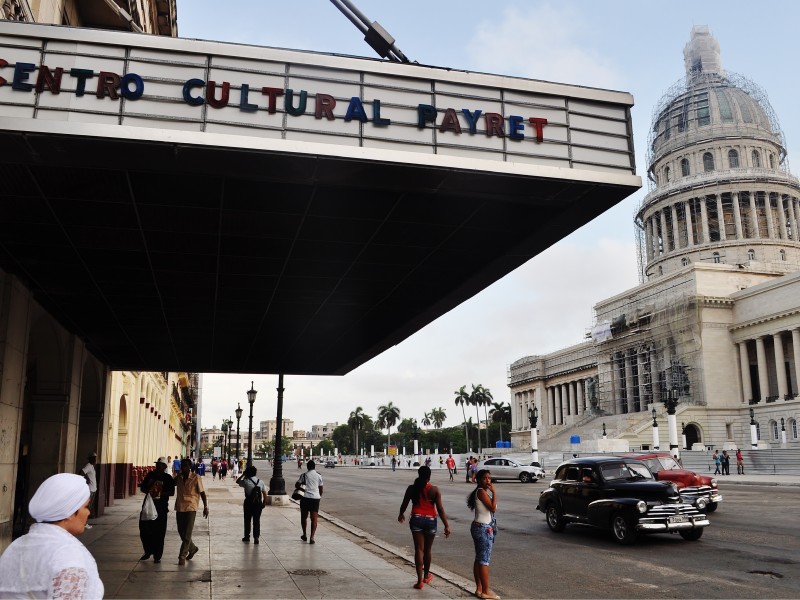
{"x":505,"y":468}
{"x":620,"y":494}
{"x":700,"y":490}
{"x":330,"y":463}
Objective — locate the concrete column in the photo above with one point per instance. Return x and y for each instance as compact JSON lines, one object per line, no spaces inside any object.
{"x":579,"y":396}
{"x":664,"y":234}
{"x":754,"y":216}
{"x":761,"y":359}
{"x":780,"y":366}
{"x":559,"y":406}
{"x":653,"y":374}
{"x":744,"y":362}
{"x":648,"y":239}
{"x":737,"y":215}
{"x":792,"y":217}
{"x":770,"y":221}
{"x":795,"y":207}
{"x":676,"y":238}
{"x":641,"y":364}
{"x":687,"y":209}
{"x":781,"y":218}
{"x":704,"y":219}
{"x":720,"y":218}
{"x":566,"y":397}
{"x":628,"y":379}
{"x":551,"y":405}
{"x":796,"y":356}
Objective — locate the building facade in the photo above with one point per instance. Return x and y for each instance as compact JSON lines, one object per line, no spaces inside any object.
{"x":713,"y":330}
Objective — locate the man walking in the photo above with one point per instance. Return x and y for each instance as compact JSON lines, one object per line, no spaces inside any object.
{"x":160,"y":485}
{"x":451,"y":466}
{"x":739,"y":462}
{"x":310,"y":501}
{"x":90,"y":475}
{"x":189,"y":488}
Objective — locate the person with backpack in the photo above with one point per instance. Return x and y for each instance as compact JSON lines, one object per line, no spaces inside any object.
{"x":255,"y":499}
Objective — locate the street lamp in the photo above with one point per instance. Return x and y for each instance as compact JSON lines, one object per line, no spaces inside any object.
{"x":224,"y":435}
{"x":655,"y":430}
{"x":533,"y":417}
{"x":415,"y":431}
{"x":238,"y":437}
{"x":251,"y":398}
{"x":230,"y":433}
{"x":671,"y":403}
{"x":683,"y":435}
{"x":753,"y":430}
{"x":604,"y":431}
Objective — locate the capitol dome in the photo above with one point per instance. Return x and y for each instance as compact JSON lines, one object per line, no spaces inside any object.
{"x":719,"y":185}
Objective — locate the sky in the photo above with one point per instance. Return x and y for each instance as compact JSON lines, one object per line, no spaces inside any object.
{"x":629,"y":45}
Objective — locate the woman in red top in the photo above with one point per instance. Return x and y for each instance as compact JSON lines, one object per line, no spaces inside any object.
{"x":425,"y":502}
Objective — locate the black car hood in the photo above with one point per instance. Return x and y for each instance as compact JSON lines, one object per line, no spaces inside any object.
{"x":660,"y":490}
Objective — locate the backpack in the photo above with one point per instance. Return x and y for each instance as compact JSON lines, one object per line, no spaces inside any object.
{"x":254,"y":499}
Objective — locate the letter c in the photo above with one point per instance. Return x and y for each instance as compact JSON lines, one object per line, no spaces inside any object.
{"x":187,"y":88}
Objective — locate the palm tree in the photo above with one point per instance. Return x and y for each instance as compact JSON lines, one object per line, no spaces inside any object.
{"x":356,"y":422}
{"x":438,"y":415}
{"x":462,"y":398}
{"x":388,"y":415}
{"x":427,"y":419}
{"x":501,"y":413}
{"x":486,"y":400}
{"x":476,"y":400}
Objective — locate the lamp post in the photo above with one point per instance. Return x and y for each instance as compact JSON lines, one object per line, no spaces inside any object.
{"x":251,"y":399}
{"x":604,"y":431}
{"x":224,"y":437}
{"x":415,"y":430}
{"x":230,"y":434}
{"x":533,"y":417}
{"x":655,"y":430}
{"x":683,"y":435}
{"x":753,"y":430}
{"x":277,"y":485}
{"x":238,"y":437}
{"x":671,"y":403}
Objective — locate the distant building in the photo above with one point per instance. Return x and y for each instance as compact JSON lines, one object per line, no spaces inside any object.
{"x":322,"y":432}
{"x":269,"y":428}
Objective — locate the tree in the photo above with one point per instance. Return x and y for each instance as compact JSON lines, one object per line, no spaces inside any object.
{"x":356,"y":422}
{"x":388,"y":415}
{"x":438,"y":415}
{"x":462,"y":398}
{"x":501,"y":413}
{"x":486,"y":401}
{"x":426,"y":419}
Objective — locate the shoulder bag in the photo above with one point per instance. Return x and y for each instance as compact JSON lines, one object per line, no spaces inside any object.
{"x":299,"y":488}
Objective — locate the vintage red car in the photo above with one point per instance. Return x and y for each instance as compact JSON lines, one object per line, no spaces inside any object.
{"x":698,"y":490}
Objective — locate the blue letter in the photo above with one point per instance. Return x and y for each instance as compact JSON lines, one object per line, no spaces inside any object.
{"x":425,"y":114}
{"x":301,"y":105}
{"x":472,"y":119}
{"x":187,"y":88}
{"x":21,"y":71}
{"x":138,"y":86}
{"x":243,"y":103}
{"x":376,"y":115}
{"x":515,"y":128}
{"x":356,"y":109}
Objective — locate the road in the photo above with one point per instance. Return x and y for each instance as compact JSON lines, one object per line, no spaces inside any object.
{"x":751,"y":549}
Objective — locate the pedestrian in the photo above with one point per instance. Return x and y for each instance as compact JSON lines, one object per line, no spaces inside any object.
{"x":467,"y":469}
{"x":726,"y":463}
{"x":214,"y":468}
{"x":176,"y":466}
{"x":394,"y":464}
{"x":309,"y":503}
{"x":717,"y":463}
{"x":49,"y":561}
{"x":160,"y":485}
{"x":252,"y":509}
{"x":426,"y":501}
{"x":235,"y":469}
{"x":441,"y":461}
{"x":223,"y":469}
{"x":90,"y":475}
{"x":483,"y":501}
{"x":473,"y":469}
{"x":739,"y":462}
{"x":189,"y":488}
{"x":451,"y":466}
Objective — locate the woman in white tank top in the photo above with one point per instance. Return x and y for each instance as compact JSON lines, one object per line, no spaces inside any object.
{"x":483,"y":501}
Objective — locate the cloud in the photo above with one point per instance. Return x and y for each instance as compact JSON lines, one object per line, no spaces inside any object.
{"x":543,"y":42}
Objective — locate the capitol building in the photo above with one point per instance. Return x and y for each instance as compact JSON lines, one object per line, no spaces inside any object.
{"x":712,"y":333}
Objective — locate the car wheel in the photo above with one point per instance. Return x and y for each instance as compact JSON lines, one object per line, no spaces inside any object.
{"x":691,"y":535}
{"x":524,"y":477}
{"x":554,"y":519}
{"x":712,"y":506}
{"x":623,"y":528}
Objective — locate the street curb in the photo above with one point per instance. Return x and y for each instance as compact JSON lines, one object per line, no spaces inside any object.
{"x":456,"y":580}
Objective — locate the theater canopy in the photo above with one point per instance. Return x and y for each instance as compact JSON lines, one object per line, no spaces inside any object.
{"x":209,"y":207}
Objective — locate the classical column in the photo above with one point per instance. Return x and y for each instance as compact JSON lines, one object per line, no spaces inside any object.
{"x":653,"y":374}
{"x":551,"y":405}
{"x":559,"y":406}
{"x":781,"y":217}
{"x":687,"y":210}
{"x":780,"y":366}
{"x":792,"y":217}
{"x":796,"y":357}
{"x":648,"y":239}
{"x":676,"y":238}
{"x":641,"y":365}
{"x":720,"y":218}
{"x":664,"y":236}
{"x":754,"y":214}
{"x":744,"y":362}
{"x":579,"y":396}
{"x":795,"y":208}
{"x":737,"y":215}
{"x":628,"y":380}
{"x":704,"y":219}
{"x":573,"y":402}
{"x":770,"y":220}
{"x":761,"y":359}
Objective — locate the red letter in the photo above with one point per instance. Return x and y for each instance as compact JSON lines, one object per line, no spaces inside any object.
{"x":450,"y":122}
{"x":3,"y":63}
{"x":107,"y":85}
{"x":494,"y":124}
{"x":271,"y":93}
{"x":323,"y":106}
{"x":226,"y":93}
{"x":46,"y":79}
{"x":538,"y":125}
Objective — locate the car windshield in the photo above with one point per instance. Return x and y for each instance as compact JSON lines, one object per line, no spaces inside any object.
{"x":631,"y":470}
{"x":668,"y":463}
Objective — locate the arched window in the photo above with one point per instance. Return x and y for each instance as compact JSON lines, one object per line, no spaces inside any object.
{"x":666,"y":174}
{"x":708,"y":162}
{"x":684,"y":261}
{"x":756,"y":159}
{"x":660,"y":270}
{"x":774,"y":427}
{"x":771,"y":160}
{"x":685,"y":167}
{"x":715,"y":256}
{"x":733,"y":159}
{"x":751,"y":255}
{"x":793,"y":428}
{"x":783,"y":255}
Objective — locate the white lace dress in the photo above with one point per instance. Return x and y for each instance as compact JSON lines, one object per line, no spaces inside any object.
{"x":49,"y":562}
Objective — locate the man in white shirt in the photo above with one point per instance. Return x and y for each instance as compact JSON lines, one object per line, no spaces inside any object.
{"x":90,"y":475}
{"x":310,"y":501}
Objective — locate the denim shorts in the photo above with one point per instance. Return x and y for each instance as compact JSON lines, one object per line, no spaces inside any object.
{"x":483,"y":535}
{"x":426,"y":525}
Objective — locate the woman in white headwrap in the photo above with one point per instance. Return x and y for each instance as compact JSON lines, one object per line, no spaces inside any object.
{"x":49,"y":562}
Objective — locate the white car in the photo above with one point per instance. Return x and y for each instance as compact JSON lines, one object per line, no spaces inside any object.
{"x":537,"y":468}
{"x":505,"y":468}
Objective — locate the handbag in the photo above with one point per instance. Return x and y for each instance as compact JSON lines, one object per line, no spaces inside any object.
{"x":299,"y":492}
{"x":149,"y":512}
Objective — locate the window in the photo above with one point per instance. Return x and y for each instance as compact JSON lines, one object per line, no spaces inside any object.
{"x":771,"y":160}
{"x":793,"y":428}
{"x":756,"y":159}
{"x":733,"y":159}
{"x":685,"y":167}
{"x":751,"y":255}
{"x":660,"y":270}
{"x":666,"y":174}
{"x":783,"y":255}
{"x":758,"y":431}
{"x":708,"y":162}
{"x":774,"y":426}
{"x":703,"y":114}
{"x":715,"y":256}
{"x":725,"y":111}
{"x":684,"y":261}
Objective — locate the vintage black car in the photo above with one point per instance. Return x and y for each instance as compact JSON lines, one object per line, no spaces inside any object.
{"x":619,"y":494}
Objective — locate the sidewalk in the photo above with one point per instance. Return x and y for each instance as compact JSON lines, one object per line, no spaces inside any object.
{"x":344,"y":563}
